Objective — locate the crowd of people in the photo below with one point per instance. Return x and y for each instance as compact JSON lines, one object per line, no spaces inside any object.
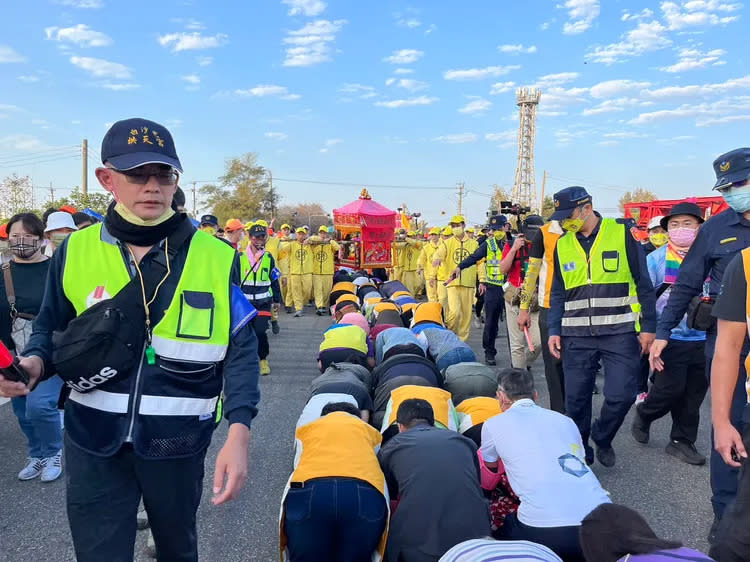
{"x":399,"y":395}
{"x":150,"y":331}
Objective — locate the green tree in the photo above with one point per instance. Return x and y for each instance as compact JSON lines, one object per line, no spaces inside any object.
{"x":16,"y":195}
{"x":548,"y":206}
{"x":243,"y":191}
{"x":96,"y":201}
{"x":638,"y":195}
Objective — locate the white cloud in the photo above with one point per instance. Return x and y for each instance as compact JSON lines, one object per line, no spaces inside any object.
{"x":476,"y":106}
{"x":102,"y":68}
{"x":694,"y":13}
{"x":266,"y":90}
{"x":420,"y":100}
{"x":75,"y":122}
{"x":612,"y":88}
{"x":430,"y":29}
{"x":721,"y":111}
{"x":204,"y":61}
{"x":403,"y":71}
{"x":311,"y":44}
{"x":564,"y":136}
{"x":8,"y":107}
{"x":21,"y":142}
{"x":554,"y":98}
{"x":119,"y":87}
{"x":614,"y":106}
{"x":404,"y":56}
{"x":411,"y":84}
{"x":552,"y":80}
{"x":508,"y":135}
{"x":693,"y":59}
{"x":83,"y":4}
{"x":669,"y":93}
{"x":516,"y":49}
{"x":276,"y":136}
{"x":29,"y":78}
{"x":644,"y":14}
{"x":81,"y":35}
{"x":608,"y":143}
{"x":501,"y":88}
{"x":581,"y":15}
{"x":8,"y":55}
{"x":183,"y":41}
{"x":305,"y":7}
{"x":333,"y":142}
{"x":624,"y":135}
{"x":355,"y":88}
{"x":411,"y":23}
{"x":460,"y":138}
{"x":192,"y":79}
{"x":479,"y":73}
{"x":545,"y":113}
{"x":646,"y":37}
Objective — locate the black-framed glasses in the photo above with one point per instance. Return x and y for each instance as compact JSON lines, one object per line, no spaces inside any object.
{"x":140,"y":176}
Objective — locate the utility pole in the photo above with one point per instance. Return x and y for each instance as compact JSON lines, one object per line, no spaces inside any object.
{"x":51,"y":194}
{"x":195,"y":210}
{"x":84,"y":170}
{"x":541,"y":199}
{"x":461,"y":198}
{"x":271,"y":193}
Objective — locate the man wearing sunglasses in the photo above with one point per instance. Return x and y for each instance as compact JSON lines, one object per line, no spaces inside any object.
{"x":155,"y":344}
{"x":717,"y":243}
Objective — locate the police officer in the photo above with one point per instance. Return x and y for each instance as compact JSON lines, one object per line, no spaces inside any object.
{"x":260,"y":283}
{"x":600,"y":280}
{"x":718,"y":241}
{"x":492,"y":286}
{"x":148,"y":432}
{"x":209,"y":224}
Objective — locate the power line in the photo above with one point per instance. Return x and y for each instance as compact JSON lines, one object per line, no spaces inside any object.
{"x":41,"y":152}
{"x":28,"y":160}
{"x":366,"y":184}
{"x":63,"y":157}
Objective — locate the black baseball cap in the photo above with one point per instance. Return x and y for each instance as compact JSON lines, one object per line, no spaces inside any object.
{"x":496,"y":222}
{"x":134,"y":142}
{"x":210,"y":219}
{"x":683,"y":208}
{"x":566,"y":200}
{"x":732,"y":167}
{"x":258,"y":230}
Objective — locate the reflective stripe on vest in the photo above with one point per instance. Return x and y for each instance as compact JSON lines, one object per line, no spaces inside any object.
{"x":117,"y":403}
{"x":195,"y":326}
{"x":255,"y":280}
{"x":492,"y":265}
{"x":746,"y":264}
{"x":600,"y":295}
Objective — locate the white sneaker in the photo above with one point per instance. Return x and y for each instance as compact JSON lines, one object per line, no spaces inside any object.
{"x":52,"y":468}
{"x":32,"y":469}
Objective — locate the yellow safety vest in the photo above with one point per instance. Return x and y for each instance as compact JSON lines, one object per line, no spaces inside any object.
{"x":746,"y":265}
{"x":492,"y":264}
{"x":599,"y":290}
{"x":196,"y":325}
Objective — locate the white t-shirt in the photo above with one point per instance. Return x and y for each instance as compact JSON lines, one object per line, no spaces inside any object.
{"x":544,"y":458}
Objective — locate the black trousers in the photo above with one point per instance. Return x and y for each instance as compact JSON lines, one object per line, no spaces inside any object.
{"x":103,"y":496}
{"x":553,"y":367}
{"x":562,"y":540}
{"x":494,"y":306}
{"x":260,"y":325}
{"x":680,"y":389}
{"x":733,"y":538}
{"x":479,"y":303}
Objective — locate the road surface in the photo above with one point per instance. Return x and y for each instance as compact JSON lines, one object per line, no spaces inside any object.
{"x":673,"y":496}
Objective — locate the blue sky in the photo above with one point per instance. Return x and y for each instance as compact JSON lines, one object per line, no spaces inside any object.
{"x":635,"y":94}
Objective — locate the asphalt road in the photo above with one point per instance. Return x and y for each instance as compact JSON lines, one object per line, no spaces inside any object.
{"x":673,"y":496}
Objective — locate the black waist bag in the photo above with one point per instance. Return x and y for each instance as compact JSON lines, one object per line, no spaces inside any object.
{"x":699,"y":315}
{"x":103,"y":344}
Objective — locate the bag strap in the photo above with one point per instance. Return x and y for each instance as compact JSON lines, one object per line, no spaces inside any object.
{"x":10,"y":291}
{"x":662,"y":288}
{"x":175,"y":241}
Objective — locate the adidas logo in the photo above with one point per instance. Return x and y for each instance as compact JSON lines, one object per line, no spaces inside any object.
{"x":84,"y":385}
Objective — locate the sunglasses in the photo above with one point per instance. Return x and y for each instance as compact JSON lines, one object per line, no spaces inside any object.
{"x":140,"y":176}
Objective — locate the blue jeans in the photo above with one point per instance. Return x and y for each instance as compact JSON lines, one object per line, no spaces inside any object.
{"x":456,"y":355}
{"x":334,"y":519}
{"x":39,"y":419}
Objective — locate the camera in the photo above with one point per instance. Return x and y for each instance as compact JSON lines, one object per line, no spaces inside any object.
{"x":510,"y":208}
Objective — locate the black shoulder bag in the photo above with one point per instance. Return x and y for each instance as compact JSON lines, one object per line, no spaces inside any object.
{"x":106,"y":341}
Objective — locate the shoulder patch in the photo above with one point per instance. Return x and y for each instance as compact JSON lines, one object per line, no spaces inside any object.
{"x":728,"y":240}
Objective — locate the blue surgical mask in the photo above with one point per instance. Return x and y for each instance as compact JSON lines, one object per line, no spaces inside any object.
{"x":738,"y":198}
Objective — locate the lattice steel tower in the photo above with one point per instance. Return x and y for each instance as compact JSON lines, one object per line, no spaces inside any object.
{"x":524,"y":185}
